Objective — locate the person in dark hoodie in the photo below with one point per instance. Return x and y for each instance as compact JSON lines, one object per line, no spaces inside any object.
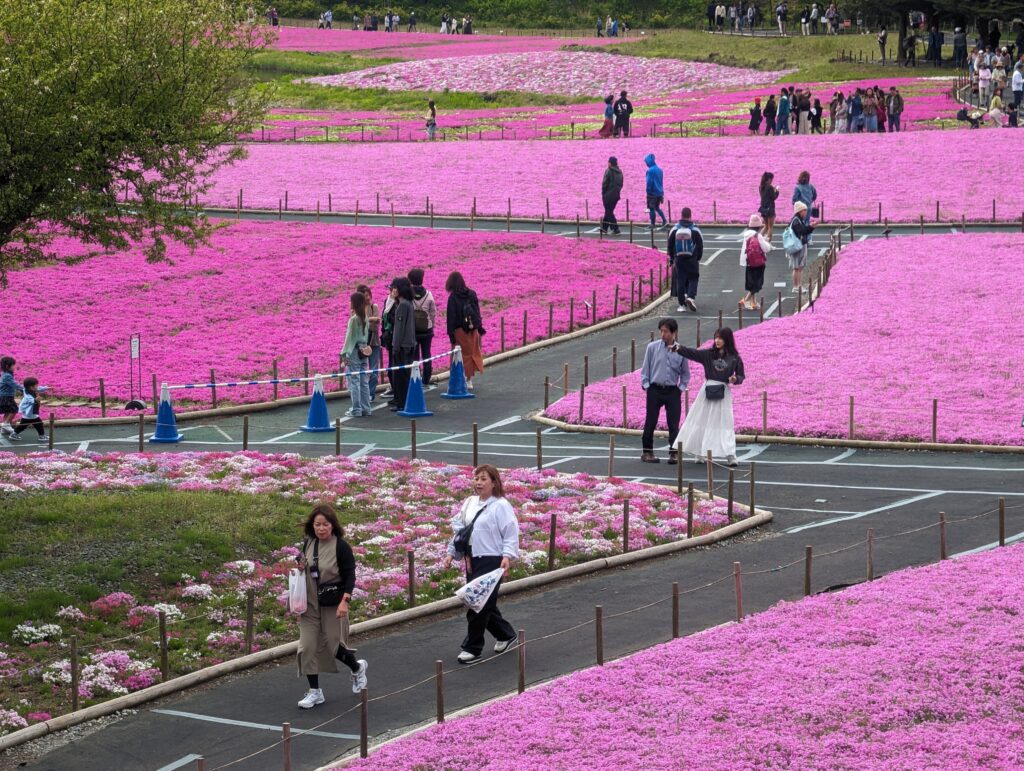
{"x":655,"y":191}
{"x":403,"y":343}
{"x":465,"y":325}
{"x":424,"y":312}
{"x":611,"y":191}
{"x":685,"y":251}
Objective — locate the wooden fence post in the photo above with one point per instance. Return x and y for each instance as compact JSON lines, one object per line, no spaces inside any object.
{"x":737,"y":572}
{"x":439,"y":689}
{"x":808,"y":556}
{"x":675,"y":609}
{"x":599,"y":633}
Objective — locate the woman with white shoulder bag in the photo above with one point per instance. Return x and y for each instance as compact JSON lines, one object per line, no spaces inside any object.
{"x":754,"y":249}
{"x":486,"y":539}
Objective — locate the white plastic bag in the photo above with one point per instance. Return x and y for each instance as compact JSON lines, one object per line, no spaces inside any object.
{"x":297,"y":591}
{"x":476,"y":592}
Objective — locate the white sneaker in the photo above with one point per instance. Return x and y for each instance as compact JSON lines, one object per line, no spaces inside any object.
{"x":6,"y":429}
{"x":359,"y":677}
{"x":691,"y":304}
{"x":43,"y":439}
{"x":503,"y":645}
{"x":469,"y":384}
{"x":313,"y":697}
{"x":680,"y":309}
{"x":467,"y":658}
{"x":14,"y":437}
{"x":731,"y":460}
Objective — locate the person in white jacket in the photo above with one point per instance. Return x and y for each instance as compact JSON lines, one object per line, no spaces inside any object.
{"x":754,"y":249}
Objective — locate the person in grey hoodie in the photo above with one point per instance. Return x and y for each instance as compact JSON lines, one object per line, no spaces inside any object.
{"x":611,"y":191}
{"x":403,"y":343}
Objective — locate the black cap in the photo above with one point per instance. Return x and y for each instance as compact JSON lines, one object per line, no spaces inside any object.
{"x":613,"y":161}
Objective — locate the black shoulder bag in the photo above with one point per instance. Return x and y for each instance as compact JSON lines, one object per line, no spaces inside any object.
{"x":461,"y":539}
{"x":327,"y":595}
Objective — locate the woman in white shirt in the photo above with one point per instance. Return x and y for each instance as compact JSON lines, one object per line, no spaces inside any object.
{"x":754,"y":249}
{"x":493,"y":544}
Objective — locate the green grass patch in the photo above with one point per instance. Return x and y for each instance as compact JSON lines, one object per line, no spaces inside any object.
{"x":812,"y":56}
{"x":70,"y":548}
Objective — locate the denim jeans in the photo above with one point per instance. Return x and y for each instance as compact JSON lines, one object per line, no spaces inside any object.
{"x":894,"y":123}
{"x":782,"y":125}
{"x":358,"y":383}
{"x":374,"y":364}
{"x":871,"y":123}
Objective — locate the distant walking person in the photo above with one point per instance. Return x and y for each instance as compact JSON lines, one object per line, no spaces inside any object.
{"x":611,"y":191}
{"x":8,"y":388}
{"x":685,"y":251}
{"x":663,"y":376}
{"x":623,"y":110}
{"x":431,"y":121}
{"x":465,"y":325}
{"x":330,"y":571}
{"x":412,"y":22}
{"x":493,"y":544}
{"x":709,"y":424}
{"x":655,"y":180}
{"x":29,"y":409}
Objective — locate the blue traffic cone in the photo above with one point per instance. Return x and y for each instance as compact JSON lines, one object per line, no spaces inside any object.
{"x":166,"y":425}
{"x":457,"y":379}
{"x":317,"y":419}
{"x":415,"y":405}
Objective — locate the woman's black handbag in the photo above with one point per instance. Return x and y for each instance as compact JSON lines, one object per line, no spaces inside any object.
{"x":714,"y":391}
{"x":327,"y":595}
{"x":460,"y":541}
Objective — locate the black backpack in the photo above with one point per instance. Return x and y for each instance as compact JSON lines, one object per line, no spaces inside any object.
{"x":420,"y":316}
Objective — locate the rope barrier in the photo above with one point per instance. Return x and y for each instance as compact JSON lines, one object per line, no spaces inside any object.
{"x":290,"y":380}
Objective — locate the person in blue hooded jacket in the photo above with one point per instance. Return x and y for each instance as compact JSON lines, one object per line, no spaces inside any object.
{"x":655,"y":191}
{"x":782,"y":116}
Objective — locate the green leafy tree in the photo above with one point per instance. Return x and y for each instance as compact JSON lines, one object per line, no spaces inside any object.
{"x":107,"y":100}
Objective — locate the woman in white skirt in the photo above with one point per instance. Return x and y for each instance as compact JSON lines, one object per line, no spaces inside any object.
{"x":709,"y":423}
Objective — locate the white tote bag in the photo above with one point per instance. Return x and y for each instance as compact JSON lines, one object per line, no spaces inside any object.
{"x":476,"y":592}
{"x":296,"y":591}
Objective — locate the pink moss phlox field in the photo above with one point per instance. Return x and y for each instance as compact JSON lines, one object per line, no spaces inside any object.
{"x":874,"y":335}
{"x":281,"y":290}
{"x":576,"y":73}
{"x":918,"y":670}
{"x":698,"y":172}
{"x":698,"y":114}
{"x":419,"y":44}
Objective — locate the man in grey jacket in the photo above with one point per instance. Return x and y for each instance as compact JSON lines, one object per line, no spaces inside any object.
{"x":611,"y":191}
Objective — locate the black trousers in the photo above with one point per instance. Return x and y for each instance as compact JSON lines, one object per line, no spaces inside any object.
{"x":422,"y":352}
{"x":608,"y":222}
{"x":659,"y":396}
{"x":684,"y":281}
{"x":24,"y":423}
{"x":621,"y":127}
{"x":489,"y":619}
{"x":400,"y":377}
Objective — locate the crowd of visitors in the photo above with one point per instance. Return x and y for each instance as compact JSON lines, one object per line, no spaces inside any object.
{"x":371,"y":22}
{"x":798,"y":111}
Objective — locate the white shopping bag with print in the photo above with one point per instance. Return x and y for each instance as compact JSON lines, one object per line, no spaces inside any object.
{"x":476,"y":592}
{"x":296,"y":591}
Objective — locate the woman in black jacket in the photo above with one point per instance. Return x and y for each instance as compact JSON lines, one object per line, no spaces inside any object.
{"x":330,"y":570}
{"x":768,"y":193}
{"x":403,"y":343}
{"x":464,"y":324}
{"x":709,"y":422}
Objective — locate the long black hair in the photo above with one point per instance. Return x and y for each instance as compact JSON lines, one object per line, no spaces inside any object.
{"x":729,"y":342}
{"x":766,"y":179}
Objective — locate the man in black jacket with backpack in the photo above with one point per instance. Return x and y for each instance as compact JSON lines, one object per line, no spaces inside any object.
{"x":424,"y":311}
{"x":685,"y":251}
{"x":622,"y":108}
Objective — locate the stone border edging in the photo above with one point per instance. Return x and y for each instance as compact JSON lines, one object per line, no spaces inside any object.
{"x":131,"y":700}
{"x":496,"y":358}
{"x":803,"y":441}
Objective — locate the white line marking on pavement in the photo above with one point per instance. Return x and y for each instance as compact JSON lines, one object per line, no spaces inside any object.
{"x":500,"y":423}
{"x":281,"y":438}
{"x":83,"y":446}
{"x":753,"y":451}
{"x":771,"y":309}
{"x":247,"y":724}
{"x":366,"y":449}
{"x":711,"y":259}
{"x":986,"y":547}
{"x":841,"y":456}
{"x":879,"y":510}
{"x":779,"y":285}
{"x":179,"y":763}
{"x":222,"y":432}
{"x":561,"y":460}
{"x":815,"y":511}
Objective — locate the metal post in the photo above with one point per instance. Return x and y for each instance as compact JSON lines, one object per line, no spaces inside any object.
{"x":675,"y":609}
{"x":871,"y":554}
{"x":942,"y":535}
{"x":599,"y":633}
{"x":164,"y":670}
{"x":364,"y":730}
{"x":690,"y":502}
{"x":521,"y":651}
{"x":808,"y":551}
{"x":410,"y":556}
{"x":737,"y":573}
{"x":439,"y":688}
